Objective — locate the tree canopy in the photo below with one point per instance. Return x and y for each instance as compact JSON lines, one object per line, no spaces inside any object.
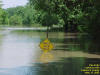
{"x":73,"y":12}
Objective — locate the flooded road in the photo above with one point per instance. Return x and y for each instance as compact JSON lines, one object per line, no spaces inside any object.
{"x":20,"y":54}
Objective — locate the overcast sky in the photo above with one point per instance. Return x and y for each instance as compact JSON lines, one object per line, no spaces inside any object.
{"x":13,"y":3}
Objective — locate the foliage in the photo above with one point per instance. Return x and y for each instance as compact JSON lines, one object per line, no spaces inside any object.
{"x":26,"y":15}
{"x":15,"y":20}
{"x":3,"y":16}
{"x":49,"y":20}
{"x":30,"y":16}
{"x":73,"y":12}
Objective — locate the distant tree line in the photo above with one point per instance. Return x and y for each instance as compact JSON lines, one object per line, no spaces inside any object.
{"x":27,"y":16}
{"x":24,"y":16}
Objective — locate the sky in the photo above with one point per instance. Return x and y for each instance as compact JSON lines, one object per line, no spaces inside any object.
{"x":13,"y":3}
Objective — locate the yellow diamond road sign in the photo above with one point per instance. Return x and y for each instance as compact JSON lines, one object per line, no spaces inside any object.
{"x":46,"y":45}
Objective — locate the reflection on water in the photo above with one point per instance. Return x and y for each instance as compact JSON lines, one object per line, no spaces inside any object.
{"x":18,"y":50}
{"x":46,"y":57}
{"x":20,"y":54}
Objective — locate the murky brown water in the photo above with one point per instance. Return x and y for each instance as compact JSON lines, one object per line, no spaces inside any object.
{"x":20,"y":54}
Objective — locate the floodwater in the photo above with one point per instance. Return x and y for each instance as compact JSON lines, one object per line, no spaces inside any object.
{"x":20,"y":54}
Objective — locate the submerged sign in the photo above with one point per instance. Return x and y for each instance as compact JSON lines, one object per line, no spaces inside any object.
{"x":46,"y":45}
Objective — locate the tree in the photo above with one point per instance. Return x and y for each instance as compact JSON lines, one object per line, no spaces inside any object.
{"x":3,"y":16}
{"x":69,"y":10}
{"x":15,"y":20}
{"x":48,"y":20}
{"x":28,"y":18}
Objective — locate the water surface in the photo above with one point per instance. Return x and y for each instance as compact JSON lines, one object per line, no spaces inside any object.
{"x":20,"y":54}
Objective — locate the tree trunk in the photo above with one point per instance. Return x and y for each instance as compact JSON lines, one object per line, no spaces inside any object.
{"x":66,"y":27}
